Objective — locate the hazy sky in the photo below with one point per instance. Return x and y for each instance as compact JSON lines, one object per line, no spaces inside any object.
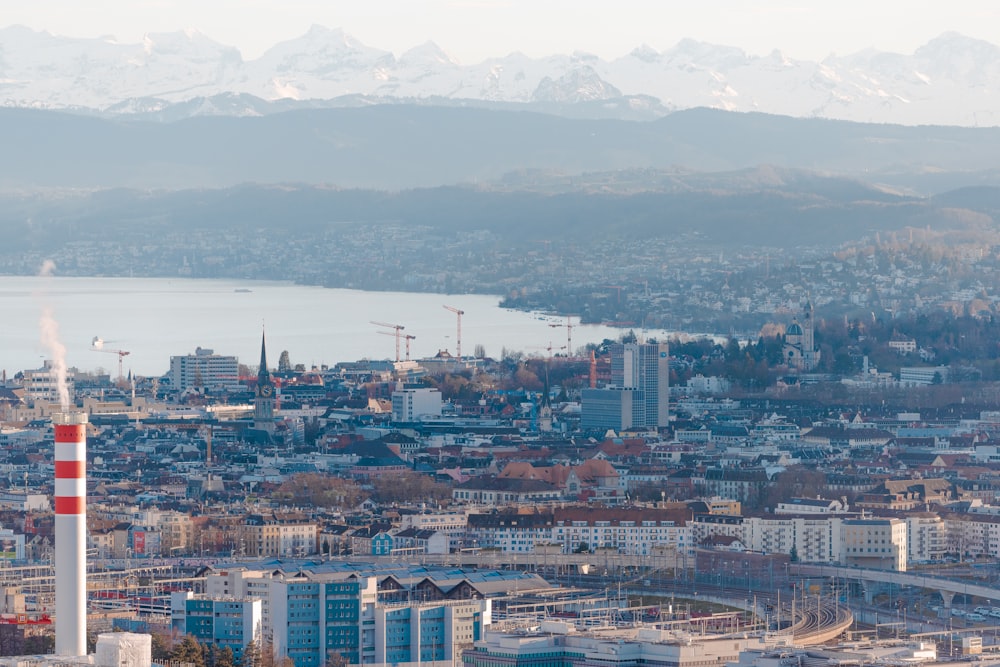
{"x":472,"y":30}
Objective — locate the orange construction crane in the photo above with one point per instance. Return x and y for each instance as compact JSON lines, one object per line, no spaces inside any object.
{"x":408,"y":338}
{"x":97,"y":345}
{"x":397,"y":327}
{"x":458,"y":338}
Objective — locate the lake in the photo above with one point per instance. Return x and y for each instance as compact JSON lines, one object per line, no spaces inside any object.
{"x":155,"y":318}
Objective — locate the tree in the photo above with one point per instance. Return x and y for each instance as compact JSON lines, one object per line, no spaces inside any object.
{"x":189,"y":651}
{"x":284,"y":363}
{"x":252,"y":655}
{"x":582,"y":548}
{"x":409,"y":487}
{"x":480,"y":351}
{"x":160,"y":652}
{"x":319,"y":490}
{"x":224,"y":657}
{"x":335,"y":659}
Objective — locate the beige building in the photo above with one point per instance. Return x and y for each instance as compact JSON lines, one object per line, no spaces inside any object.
{"x":176,"y":533}
{"x":278,"y":535}
{"x":875,"y":543}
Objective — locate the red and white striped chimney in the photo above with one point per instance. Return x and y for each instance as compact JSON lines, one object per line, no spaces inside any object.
{"x":71,"y":533}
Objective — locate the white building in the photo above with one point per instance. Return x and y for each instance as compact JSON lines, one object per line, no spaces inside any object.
{"x":42,"y":384}
{"x":903,"y":345}
{"x":204,"y":370}
{"x":452,"y":524}
{"x":638,"y":532}
{"x":812,"y":538}
{"x":926,"y":536}
{"x":911,"y":376}
{"x":811,"y":506}
{"x":410,"y":405}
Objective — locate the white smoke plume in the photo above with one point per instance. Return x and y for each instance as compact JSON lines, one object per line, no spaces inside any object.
{"x":49,"y":331}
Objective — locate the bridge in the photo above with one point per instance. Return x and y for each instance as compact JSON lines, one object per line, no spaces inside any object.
{"x":948,"y":588}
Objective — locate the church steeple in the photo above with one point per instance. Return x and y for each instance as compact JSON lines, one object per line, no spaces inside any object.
{"x":264,"y":400}
{"x":263,"y":376}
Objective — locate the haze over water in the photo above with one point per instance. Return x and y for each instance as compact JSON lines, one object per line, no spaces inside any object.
{"x":154,"y":318}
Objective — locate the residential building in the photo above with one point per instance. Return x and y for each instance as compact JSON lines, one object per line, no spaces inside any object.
{"x":452,"y":524}
{"x":505,"y":491}
{"x":875,"y":543}
{"x":410,"y":405}
{"x":42,"y":385}
{"x":633,"y":531}
{"x":742,"y":484}
{"x":310,"y":615}
{"x":903,"y":345}
{"x":204,"y":370}
{"x":220,"y":622}
{"x":811,"y":506}
{"x":278,"y":535}
{"x":926,"y":536}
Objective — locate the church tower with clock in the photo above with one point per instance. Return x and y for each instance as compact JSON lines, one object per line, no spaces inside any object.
{"x":264,"y":400}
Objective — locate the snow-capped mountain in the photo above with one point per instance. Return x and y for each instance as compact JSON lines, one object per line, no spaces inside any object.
{"x":952,"y":80}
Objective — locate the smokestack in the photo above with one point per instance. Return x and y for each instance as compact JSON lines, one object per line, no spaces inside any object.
{"x":71,"y":533}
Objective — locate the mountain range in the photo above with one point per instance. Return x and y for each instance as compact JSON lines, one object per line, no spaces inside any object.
{"x":399,"y":146}
{"x":951,"y":80}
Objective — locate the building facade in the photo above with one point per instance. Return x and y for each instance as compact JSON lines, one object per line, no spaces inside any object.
{"x":410,"y":405}
{"x":875,"y":543}
{"x":638,"y":394}
{"x":204,"y":370}
{"x":221,"y":622}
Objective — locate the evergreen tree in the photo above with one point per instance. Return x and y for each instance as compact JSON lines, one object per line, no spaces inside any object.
{"x":251,"y":654}
{"x":160,"y":652}
{"x":224,"y":657}
{"x":188,"y":651}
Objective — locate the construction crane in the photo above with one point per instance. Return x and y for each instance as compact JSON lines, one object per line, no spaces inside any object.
{"x":548,"y":348}
{"x":97,"y":345}
{"x":552,"y":347}
{"x":619,"y":289}
{"x":397,"y":327}
{"x":458,"y":338}
{"x":407,"y":337}
{"x":569,"y":334}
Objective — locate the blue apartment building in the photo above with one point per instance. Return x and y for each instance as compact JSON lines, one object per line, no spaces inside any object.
{"x":316,"y":616}
{"x":226,"y":622}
